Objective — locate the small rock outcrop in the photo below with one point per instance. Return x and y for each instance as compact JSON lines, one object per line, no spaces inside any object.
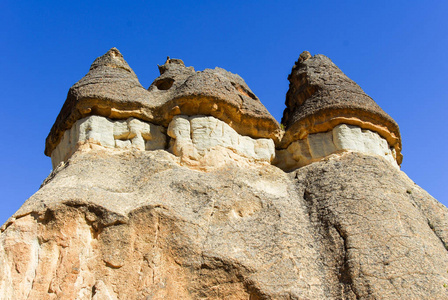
{"x":192,"y":190}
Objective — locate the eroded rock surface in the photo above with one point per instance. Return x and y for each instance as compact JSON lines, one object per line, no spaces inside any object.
{"x":201,"y":141}
{"x":343,"y":137}
{"x":321,"y":96}
{"x":136,"y":224}
{"x":145,"y":226}
{"x":111,"y":89}
{"x":187,"y":190}
{"x":206,"y":141}
{"x":93,"y":131}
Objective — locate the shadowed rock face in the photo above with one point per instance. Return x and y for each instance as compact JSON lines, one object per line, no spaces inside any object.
{"x":171,"y":193}
{"x":320,"y":97}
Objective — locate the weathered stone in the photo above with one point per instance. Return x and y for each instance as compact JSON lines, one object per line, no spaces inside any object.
{"x":200,"y":204}
{"x":212,"y":92}
{"x":343,"y":137}
{"x":208,"y":142}
{"x":321,"y":97}
{"x":111,"y":89}
{"x":94,"y":131}
{"x":377,"y":238}
{"x":349,"y":227}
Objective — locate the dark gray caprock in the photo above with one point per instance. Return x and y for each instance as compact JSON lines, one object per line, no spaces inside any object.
{"x":321,"y":96}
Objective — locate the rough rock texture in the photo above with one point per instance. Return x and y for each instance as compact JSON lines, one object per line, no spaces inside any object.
{"x":376,"y":230}
{"x":111,"y":89}
{"x":94,"y":131}
{"x":145,"y":226}
{"x":208,"y":142}
{"x":200,"y":141}
{"x":188,"y":204}
{"x":217,"y":93}
{"x":342,"y":137}
{"x":135,"y":224}
{"x":320,"y":97}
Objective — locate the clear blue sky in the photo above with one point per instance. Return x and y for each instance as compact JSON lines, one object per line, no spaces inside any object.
{"x":397,"y":51}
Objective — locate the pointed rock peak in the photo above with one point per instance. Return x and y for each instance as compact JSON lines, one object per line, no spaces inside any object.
{"x":110,"y":89}
{"x":321,"y":96}
{"x":171,"y":63}
{"x":112,"y":59}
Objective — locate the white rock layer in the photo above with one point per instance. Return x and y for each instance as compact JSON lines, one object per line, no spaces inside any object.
{"x":342,"y":138}
{"x":198,"y":140}
{"x":96,"y":130}
{"x":197,"y":137}
{"x":205,"y":141}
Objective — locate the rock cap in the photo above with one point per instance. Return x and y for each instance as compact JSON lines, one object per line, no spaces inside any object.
{"x":111,"y":89}
{"x":215,"y":92}
{"x":321,"y":96}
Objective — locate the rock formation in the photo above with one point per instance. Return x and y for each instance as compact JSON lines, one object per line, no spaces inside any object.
{"x":192,"y":190}
{"x":321,"y":98}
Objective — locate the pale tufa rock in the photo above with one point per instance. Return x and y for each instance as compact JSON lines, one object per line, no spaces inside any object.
{"x":321,"y":96}
{"x":95,"y":131}
{"x":341,"y":138}
{"x":111,"y":89}
{"x":175,"y":195}
{"x":350,"y":227}
{"x":206,"y":141}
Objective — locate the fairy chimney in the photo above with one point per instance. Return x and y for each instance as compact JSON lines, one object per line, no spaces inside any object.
{"x":109,"y":108}
{"x":327,"y":112}
{"x":187,"y":190}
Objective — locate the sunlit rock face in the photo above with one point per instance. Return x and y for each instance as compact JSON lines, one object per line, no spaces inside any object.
{"x":343,"y":137}
{"x":111,"y":89}
{"x":95,"y":131}
{"x":200,"y":141}
{"x":321,"y":96}
{"x":192,"y":190}
{"x":207,"y":141}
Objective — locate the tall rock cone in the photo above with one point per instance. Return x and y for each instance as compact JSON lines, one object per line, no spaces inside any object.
{"x":110,"y":89}
{"x":191,"y":207}
{"x":321,"y":96}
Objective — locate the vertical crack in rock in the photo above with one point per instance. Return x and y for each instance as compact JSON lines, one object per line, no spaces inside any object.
{"x":345,"y":276}
{"x":155,"y":248}
{"x":333,"y":244}
{"x":431,"y":223}
{"x":207,"y":228}
{"x":445,"y":245}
